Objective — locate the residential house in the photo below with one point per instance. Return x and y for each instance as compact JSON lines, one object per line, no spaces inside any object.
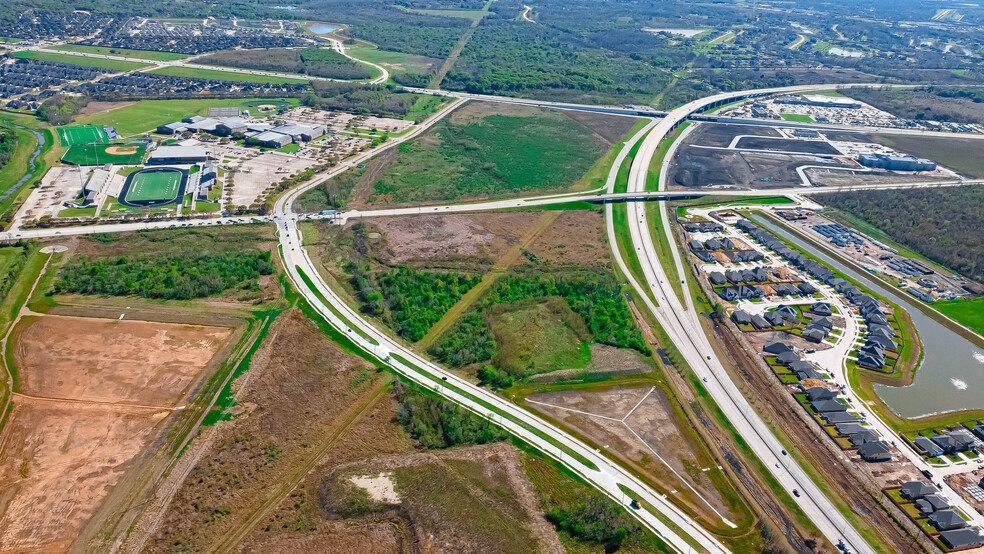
{"x":877,"y":451}
{"x":775,"y":319}
{"x":788,"y":313}
{"x":914,"y":490}
{"x":945,"y":520}
{"x":822,"y":308}
{"x":780,"y":347}
{"x":741,"y":317}
{"x":823,"y":406}
{"x":814,"y":334}
{"x":931,"y":503}
{"x":820,"y":393}
{"x":717,"y":278}
{"x":788,"y":357}
{"x":961,"y":538}
{"x":834,"y":418}
{"x":806,"y":288}
{"x":760,"y":322}
{"x":929,"y":447}
{"x":863,"y":437}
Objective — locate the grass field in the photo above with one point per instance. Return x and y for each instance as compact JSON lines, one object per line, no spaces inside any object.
{"x":118,"y":65}
{"x":197,"y":73}
{"x":82,"y":134}
{"x":796,"y":117}
{"x":537,"y":338}
{"x":161,"y":186}
{"x":966,"y":311}
{"x":474,"y":155}
{"x":395,"y":61}
{"x":146,"y":115}
{"x":98,"y":154}
{"x":122,"y":52}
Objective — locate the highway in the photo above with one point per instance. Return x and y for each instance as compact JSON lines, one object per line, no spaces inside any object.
{"x":688,"y":336}
{"x":595,"y":468}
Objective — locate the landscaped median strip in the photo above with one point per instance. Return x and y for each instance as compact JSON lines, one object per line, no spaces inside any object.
{"x":338,"y":314}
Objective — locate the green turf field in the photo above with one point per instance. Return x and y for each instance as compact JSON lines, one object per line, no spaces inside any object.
{"x":161,"y":186}
{"x":96,"y":154}
{"x":82,"y":134}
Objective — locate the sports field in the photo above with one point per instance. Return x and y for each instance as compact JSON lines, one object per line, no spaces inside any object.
{"x":98,"y":154}
{"x":157,"y":187}
{"x":82,"y":134}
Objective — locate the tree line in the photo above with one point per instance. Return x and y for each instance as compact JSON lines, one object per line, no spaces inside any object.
{"x":314,"y":61}
{"x":8,"y":143}
{"x":61,"y":108}
{"x":439,"y":423}
{"x":174,"y":278}
{"x":945,"y":224}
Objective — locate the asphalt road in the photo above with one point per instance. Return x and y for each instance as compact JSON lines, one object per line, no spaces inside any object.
{"x":685,"y":331}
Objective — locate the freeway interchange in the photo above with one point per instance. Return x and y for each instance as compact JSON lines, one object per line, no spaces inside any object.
{"x":678,"y":318}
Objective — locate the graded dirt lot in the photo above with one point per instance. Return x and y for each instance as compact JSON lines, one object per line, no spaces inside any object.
{"x":92,"y":393}
{"x":112,"y":361}
{"x":57,"y":462}
{"x":666,"y":455}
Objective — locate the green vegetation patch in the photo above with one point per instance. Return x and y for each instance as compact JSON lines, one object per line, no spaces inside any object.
{"x":176,"y":278}
{"x":411,"y":301}
{"x":597,"y":300}
{"x":491,"y":156}
{"x":198,"y":73}
{"x":314,"y":61}
{"x":82,"y":134}
{"x":796,"y":117}
{"x":438,"y":423}
{"x":536,"y":336}
{"x":118,"y":65}
{"x":99,"y":154}
{"x":966,"y":311}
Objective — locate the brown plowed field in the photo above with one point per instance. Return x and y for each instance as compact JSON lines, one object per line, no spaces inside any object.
{"x":112,"y":361}
{"x":93,"y":394}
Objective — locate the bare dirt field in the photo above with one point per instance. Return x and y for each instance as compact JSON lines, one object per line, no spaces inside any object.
{"x":112,"y":361}
{"x":57,"y":462}
{"x":92,"y":393}
{"x":439,"y":236}
{"x":99,"y":107}
{"x":575,"y":237}
{"x":670,"y":458}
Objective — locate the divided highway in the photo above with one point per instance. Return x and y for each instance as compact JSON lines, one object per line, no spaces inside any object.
{"x":688,"y":336}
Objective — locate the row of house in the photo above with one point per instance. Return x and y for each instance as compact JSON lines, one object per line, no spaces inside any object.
{"x":879,"y":338}
{"x":742,"y":292}
{"x":815,"y":269}
{"x":702,"y":227}
{"x":950,"y":442}
{"x":713,"y":244}
{"x":954,"y":532}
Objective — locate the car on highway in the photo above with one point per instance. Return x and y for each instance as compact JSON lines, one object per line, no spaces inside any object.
{"x":796,"y":493}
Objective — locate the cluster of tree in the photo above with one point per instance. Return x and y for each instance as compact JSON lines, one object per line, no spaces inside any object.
{"x":598,"y":301}
{"x":438,"y":423}
{"x":495,"y":378}
{"x":8,"y":142}
{"x":469,"y":341}
{"x":381,"y":100}
{"x":599,"y":521}
{"x":945,"y":225}
{"x":61,"y":108}
{"x":411,"y":301}
{"x":926,"y":103}
{"x":318,"y":62}
{"x":175,"y":278}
